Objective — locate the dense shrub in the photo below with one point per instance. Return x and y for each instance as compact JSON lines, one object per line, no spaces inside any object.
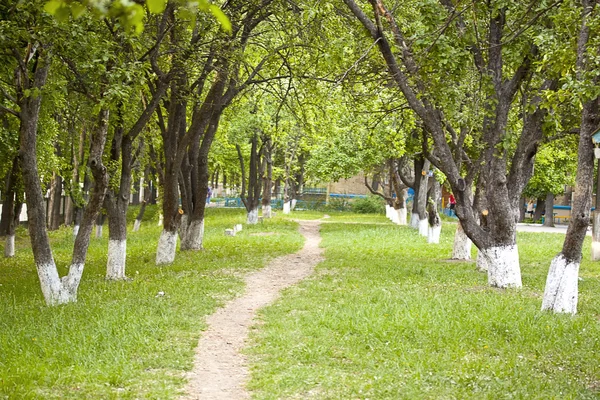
{"x":369,"y":205}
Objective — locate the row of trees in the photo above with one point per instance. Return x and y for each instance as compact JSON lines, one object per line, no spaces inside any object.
{"x":277,"y":91}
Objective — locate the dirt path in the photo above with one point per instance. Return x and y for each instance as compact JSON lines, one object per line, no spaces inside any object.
{"x":220,"y":370}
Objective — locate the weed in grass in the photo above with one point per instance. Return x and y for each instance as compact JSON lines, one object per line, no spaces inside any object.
{"x":385,"y":318}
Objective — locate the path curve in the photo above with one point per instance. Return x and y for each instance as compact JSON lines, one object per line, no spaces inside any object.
{"x":220,"y":371}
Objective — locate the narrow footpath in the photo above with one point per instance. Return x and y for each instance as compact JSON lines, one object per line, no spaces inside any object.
{"x":220,"y":371}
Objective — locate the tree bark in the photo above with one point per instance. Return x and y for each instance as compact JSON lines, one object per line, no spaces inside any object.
{"x":461,"y":249}
{"x":549,"y":212}
{"x":540,"y":208}
{"x":433,"y":216}
{"x":561,"y":291}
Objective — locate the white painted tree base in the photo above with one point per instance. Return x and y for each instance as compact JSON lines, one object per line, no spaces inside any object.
{"x":401,"y":216}
{"x":160,"y":220}
{"x":266,"y":211}
{"x":286,"y":207}
{"x":9,"y":246}
{"x":252,"y":217}
{"x":167,"y":245}
{"x":52,"y":286}
{"x":136,"y":225}
{"x":194,"y":238}
{"x":415,"y":220}
{"x":98,"y":231}
{"x":482,"y":262}
{"x":388,"y":212}
{"x":424,"y":227}
{"x":461,"y":249}
{"x":504,"y":270}
{"x":117,"y":253}
{"x":595,"y":250}
{"x":434,"y":233}
{"x":75,"y":230}
{"x":561,"y":292}
{"x":293,"y":205}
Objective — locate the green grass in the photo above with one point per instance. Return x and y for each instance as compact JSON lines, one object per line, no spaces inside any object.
{"x":121,"y":340}
{"x":387,"y":317}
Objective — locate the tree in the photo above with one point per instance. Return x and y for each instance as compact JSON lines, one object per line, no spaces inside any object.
{"x":561,"y":292}
{"x":504,"y":64}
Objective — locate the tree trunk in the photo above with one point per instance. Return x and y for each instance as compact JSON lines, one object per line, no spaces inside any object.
{"x":561,"y":292}
{"x":549,"y":205}
{"x":54,"y":202}
{"x":462,"y":244}
{"x":540,"y":208}
{"x":147,"y":194}
{"x":433,"y":217}
{"x":522,"y":209}
{"x":419,"y":213}
{"x":267,"y":178}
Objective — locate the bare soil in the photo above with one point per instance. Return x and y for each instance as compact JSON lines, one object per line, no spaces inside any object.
{"x":220,"y":370}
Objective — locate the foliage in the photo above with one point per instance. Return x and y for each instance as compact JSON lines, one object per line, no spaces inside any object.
{"x":387,"y":316}
{"x":369,"y":205}
{"x":124,"y":339}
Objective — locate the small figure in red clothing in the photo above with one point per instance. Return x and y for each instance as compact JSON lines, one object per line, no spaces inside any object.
{"x":452,"y":201}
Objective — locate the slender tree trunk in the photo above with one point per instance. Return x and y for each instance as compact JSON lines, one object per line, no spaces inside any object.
{"x":561,"y":292}
{"x":540,"y":208}
{"x":433,"y":216}
{"x":267,"y":178}
{"x":147,"y":194}
{"x":54,"y":202}
{"x":549,"y":204}
{"x":419,"y":211}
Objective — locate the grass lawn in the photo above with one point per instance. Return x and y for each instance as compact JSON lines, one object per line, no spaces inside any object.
{"x":121,"y":339}
{"x":387,"y":317}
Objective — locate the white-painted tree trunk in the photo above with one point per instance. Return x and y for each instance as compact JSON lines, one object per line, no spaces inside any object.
{"x":388,"y":211}
{"x":482,"y":262}
{"x":424,"y":227}
{"x":394,"y":216}
{"x":433,"y":234}
{"x":136,"y":225}
{"x":183,"y":227}
{"x":98,"y":231}
{"x":167,"y":245}
{"x":266,"y":211}
{"x":293,"y":205}
{"x":415,"y":220}
{"x":53,"y":287}
{"x":286,"y":207}
{"x":462,"y":245}
{"x":504,"y":270}
{"x":253,"y":217}
{"x":115,"y":266}
{"x":194,"y":237}
{"x":401,"y":216}
{"x":561,"y":291}
{"x":160,"y":219}
{"x":9,"y":246}
{"x":75,"y":230}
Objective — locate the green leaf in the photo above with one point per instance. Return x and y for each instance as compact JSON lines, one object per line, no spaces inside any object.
{"x":77,"y":10}
{"x":221,"y":17}
{"x":156,"y":6}
{"x":52,"y":6}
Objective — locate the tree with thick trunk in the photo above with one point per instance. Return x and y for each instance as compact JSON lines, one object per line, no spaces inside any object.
{"x":561,"y":292}
{"x":56,"y":290}
{"x":503,"y":184}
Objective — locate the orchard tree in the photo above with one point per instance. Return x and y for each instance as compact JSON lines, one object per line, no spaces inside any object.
{"x":450,"y":51}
